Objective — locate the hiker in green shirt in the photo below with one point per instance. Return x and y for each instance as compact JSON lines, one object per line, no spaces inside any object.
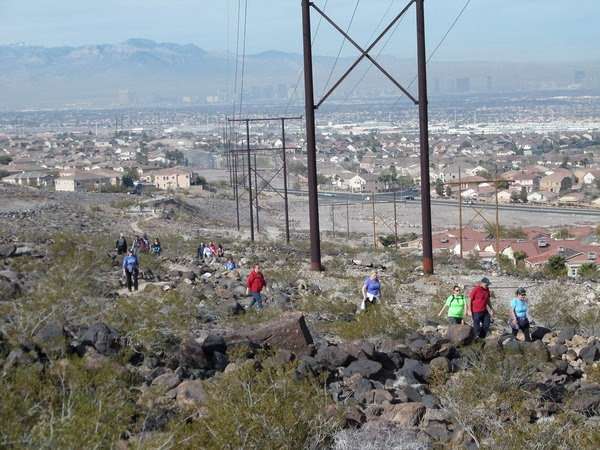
{"x":456,"y":304}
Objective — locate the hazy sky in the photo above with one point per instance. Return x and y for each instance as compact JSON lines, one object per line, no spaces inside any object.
{"x":489,"y":30}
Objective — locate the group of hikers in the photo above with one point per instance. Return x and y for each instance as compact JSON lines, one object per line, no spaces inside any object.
{"x":207,"y":252}
{"x":477,"y":306}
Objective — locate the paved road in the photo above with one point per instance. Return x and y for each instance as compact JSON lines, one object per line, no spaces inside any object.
{"x":410,"y":198}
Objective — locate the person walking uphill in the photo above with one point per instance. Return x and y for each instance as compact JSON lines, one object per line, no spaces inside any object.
{"x":131,"y":268}
{"x":121,"y":245}
{"x":255,"y":283}
{"x":371,"y":290}
{"x":519,"y":309}
{"x":456,"y":304}
{"x":480,"y":308}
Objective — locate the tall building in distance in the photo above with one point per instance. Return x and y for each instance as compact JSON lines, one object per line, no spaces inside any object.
{"x":463,"y":84}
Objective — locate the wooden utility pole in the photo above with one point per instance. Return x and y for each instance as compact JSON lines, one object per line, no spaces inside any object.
{"x":460,"y":223}
{"x":348,"y":219}
{"x":395,"y":222}
{"x":374,"y":225}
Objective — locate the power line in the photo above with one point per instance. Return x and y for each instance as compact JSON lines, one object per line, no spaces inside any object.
{"x":341,"y":46}
{"x":237,"y":58}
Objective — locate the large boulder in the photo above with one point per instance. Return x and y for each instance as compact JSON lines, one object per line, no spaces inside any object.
{"x":50,"y":338}
{"x":590,"y":353}
{"x":288,"y":332}
{"x":364,"y":367}
{"x":332,"y":357}
{"x":193,"y":356}
{"x":191,"y":394}
{"x":535,"y":351}
{"x":415,"y":371}
{"x":587,"y":400}
{"x":103,"y":338}
{"x":460,"y":334}
{"x":405,"y":414}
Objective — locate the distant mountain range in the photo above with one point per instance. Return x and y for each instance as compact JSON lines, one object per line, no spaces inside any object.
{"x":142,"y":72}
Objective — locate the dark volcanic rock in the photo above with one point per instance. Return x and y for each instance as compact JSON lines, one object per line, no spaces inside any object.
{"x":415,"y":371}
{"x":192,"y":355}
{"x":50,"y":339}
{"x":460,"y":334}
{"x":590,"y":353}
{"x":332,"y":357}
{"x":102,"y":337}
{"x":364,"y":367}
{"x":587,"y":400}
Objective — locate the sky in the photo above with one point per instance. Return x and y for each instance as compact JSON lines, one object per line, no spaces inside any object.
{"x":489,"y":30}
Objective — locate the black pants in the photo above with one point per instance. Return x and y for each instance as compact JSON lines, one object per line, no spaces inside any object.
{"x":481,"y":323}
{"x":455,"y":320}
{"x":132,"y":279}
{"x":523,"y":325}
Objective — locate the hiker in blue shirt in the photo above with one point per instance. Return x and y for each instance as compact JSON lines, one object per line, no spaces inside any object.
{"x":519,"y":309}
{"x":371,"y":290}
{"x":131,"y":267}
{"x":230,"y":265}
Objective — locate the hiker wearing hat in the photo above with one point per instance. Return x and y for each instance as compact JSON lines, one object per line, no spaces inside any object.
{"x":519,"y":308}
{"x":480,"y":308}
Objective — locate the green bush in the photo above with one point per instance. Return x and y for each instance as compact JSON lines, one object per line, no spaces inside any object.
{"x":377,"y":321}
{"x":266,"y":409}
{"x":555,"y":267}
{"x":67,"y":406}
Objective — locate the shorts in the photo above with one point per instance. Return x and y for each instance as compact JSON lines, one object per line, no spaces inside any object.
{"x":371,"y":298}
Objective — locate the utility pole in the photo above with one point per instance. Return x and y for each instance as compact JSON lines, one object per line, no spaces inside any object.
{"x":249,"y":181}
{"x":423,"y":118}
{"x":460,"y":223}
{"x":395,"y":222}
{"x":236,"y":190}
{"x":424,"y":138}
{"x":333,"y":219}
{"x":285,"y":182}
{"x":348,"y":219}
{"x":497,"y":220}
{"x":256,"y":194}
{"x":374,"y":225}
{"x":311,"y":144}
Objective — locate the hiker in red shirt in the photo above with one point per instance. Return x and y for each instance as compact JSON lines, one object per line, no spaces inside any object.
{"x":480,"y":308}
{"x":254,"y":285}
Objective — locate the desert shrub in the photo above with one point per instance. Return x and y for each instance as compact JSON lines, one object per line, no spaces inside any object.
{"x":551,"y":309}
{"x":124,"y":203}
{"x":472,"y":262}
{"x":555,"y":267}
{"x":66,"y":406}
{"x":324,"y":305}
{"x":377,"y":321}
{"x":589,"y":272}
{"x":260,"y":409}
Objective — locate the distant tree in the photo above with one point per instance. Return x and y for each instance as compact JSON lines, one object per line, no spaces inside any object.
{"x":523,"y":195}
{"x":565,"y":162}
{"x":448,"y":191}
{"x":439,"y":187}
{"x":597,"y":231}
{"x":4,"y":173}
{"x":566,"y":185}
{"x":556,"y":267}
{"x":515,"y":197}
{"x":198,"y":180}
{"x":176,"y":156}
{"x":5,"y":159}
{"x":129,"y":177}
{"x":297,"y":168}
{"x":520,"y":256}
{"x":589,"y":271}
{"x":322,"y":179}
{"x":563,"y":233}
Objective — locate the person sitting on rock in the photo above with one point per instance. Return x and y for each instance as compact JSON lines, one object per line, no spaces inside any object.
{"x":121,"y":245}
{"x":156,"y":248}
{"x":131,"y":267}
{"x":214,"y":249}
{"x":255,"y":283}
{"x":207,"y":255}
{"x":519,"y":310}
{"x":480,"y":308}
{"x":371,"y":291}
{"x":230,"y":264}
{"x":455,"y":303}
{"x":220,"y":251}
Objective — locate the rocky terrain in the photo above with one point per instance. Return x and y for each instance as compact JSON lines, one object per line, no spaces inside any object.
{"x":182,"y":363}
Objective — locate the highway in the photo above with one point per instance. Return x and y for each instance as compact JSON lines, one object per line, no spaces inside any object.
{"x":409,"y":197}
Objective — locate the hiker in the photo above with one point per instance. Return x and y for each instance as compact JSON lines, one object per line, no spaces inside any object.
{"x":456,"y":306}
{"x":254,"y":285}
{"x":480,"y":308}
{"x":131,"y":270}
{"x":371,"y":291}
{"x":207,"y":255}
{"x":200,"y":251}
{"x":145,"y":244}
{"x":121,"y":245}
{"x":214,"y":249}
{"x":156,"y":248}
{"x":519,"y":308}
{"x":220,"y":251}
{"x":135,"y":247}
{"x":230,"y":264}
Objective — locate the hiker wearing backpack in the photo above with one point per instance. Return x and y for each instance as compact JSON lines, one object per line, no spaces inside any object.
{"x":480,"y":308}
{"x":121,"y":245}
{"x":371,"y":291}
{"x":519,"y":314}
{"x":255,"y":283}
{"x":156,"y":248}
{"x":131,"y":268}
{"x":456,"y":304}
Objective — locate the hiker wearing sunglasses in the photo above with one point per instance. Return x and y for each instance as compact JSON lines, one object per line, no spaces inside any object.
{"x":456,"y":304}
{"x":519,"y":309}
